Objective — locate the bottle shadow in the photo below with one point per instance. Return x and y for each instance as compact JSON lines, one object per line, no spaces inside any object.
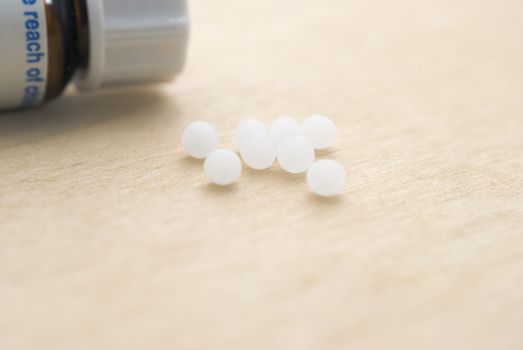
{"x":76,"y":111}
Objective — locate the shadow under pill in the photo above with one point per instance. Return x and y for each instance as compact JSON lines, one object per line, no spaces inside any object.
{"x":322,"y":153}
{"x":220,"y":190}
{"x":334,"y":201}
{"x":272,"y":173}
{"x":190,"y":161}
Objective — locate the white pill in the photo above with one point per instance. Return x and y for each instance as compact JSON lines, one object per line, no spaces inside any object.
{"x":283,"y":128}
{"x":258,"y":152}
{"x":295,"y":154}
{"x":247,"y":130}
{"x":320,"y":130}
{"x":223,"y":167}
{"x":326,"y":178}
{"x":199,"y":139}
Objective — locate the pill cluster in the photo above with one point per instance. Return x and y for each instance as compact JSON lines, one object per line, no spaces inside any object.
{"x":291,"y":143}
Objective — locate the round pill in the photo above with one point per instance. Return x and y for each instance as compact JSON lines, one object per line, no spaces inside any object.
{"x":199,"y":139}
{"x":223,"y":167}
{"x":320,"y":130}
{"x":326,"y":178}
{"x":248,"y":129}
{"x":283,"y":128}
{"x":295,"y":154}
{"x":258,"y":152}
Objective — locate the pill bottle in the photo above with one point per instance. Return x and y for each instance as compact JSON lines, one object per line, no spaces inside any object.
{"x":47,"y":44}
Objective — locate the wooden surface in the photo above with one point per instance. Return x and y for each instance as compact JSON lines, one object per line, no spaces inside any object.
{"x":110,"y":238}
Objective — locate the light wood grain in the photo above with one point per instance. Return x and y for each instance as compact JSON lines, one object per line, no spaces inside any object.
{"x":110,"y":238}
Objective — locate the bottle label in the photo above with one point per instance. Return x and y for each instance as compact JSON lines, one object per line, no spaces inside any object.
{"x":24,"y":49}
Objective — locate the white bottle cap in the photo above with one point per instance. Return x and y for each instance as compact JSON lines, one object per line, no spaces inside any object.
{"x":135,"y":41}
